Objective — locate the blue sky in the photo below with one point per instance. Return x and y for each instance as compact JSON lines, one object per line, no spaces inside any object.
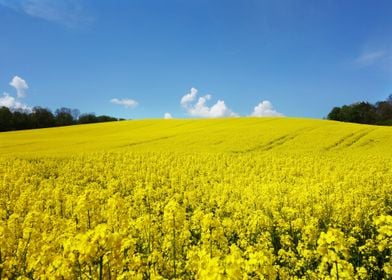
{"x":195,"y":58}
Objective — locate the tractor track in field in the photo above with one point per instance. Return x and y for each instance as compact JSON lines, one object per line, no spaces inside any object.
{"x":146,"y":141}
{"x":279,"y":141}
{"x":285,"y":139}
{"x":350,"y":139}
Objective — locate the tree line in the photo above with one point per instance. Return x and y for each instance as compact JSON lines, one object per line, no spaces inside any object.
{"x":379,"y":113}
{"x":40,"y":117}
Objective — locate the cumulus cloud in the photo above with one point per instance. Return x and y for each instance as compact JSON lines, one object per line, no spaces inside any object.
{"x":126,"y":102}
{"x":15,"y":102}
{"x":189,"y":97}
{"x":167,"y":116}
{"x":200,"y":108}
{"x":265,"y":109}
{"x":20,"y":85}
{"x":7,"y":100}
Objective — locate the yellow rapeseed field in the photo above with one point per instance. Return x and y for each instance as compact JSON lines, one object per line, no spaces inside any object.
{"x":239,"y":198}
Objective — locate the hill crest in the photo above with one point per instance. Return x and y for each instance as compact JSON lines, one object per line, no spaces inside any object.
{"x":232,"y":135}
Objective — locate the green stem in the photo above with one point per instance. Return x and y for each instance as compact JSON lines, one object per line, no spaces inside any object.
{"x":88,"y":219}
{"x":109,"y":272}
{"x":174,"y":248}
{"x":1,"y":268}
{"x":100,"y":264}
{"x":24,"y":255}
{"x":210,"y":242}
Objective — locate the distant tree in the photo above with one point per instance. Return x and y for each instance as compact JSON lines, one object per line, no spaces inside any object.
{"x":384,"y":112}
{"x":384,"y":109}
{"x":364,"y":112}
{"x":63,"y":110}
{"x":22,"y":120}
{"x":5,"y":119}
{"x":389,"y":99}
{"x":63,"y":116}
{"x":42,"y":117}
{"x":87,"y":118}
{"x":104,"y":118}
{"x":335,"y":114}
{"x":75,"y":114}
{"x":361,"y":112}
{"x":346,"y":114}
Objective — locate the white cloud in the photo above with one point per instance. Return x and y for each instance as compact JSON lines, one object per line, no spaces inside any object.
{"x":189,"y":97}
{"x":167,"y":116}
{"x":265,"y":109}
{"x":12,"y":103}
{"x":7,"y":100}
{"x":126,"y":102}
{"x":369,"y":58}
{"x":200,"y":108}
{"x":20,"y":85}
{"x":15,"y":103}
{"x":69,"y":13}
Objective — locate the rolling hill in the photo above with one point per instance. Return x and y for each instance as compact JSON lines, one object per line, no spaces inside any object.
{"x":239,"y":198}
{"x":235,"y":135}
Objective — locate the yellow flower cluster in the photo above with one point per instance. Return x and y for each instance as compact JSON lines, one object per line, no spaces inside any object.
{"x":247,"y":212}
{"x":203,"y":216}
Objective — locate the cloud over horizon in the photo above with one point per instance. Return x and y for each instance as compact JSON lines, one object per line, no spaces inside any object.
{"x":12,"y":103}
{"x":200,"y":108}
{"x":126,"y":102}
{"x":15,"y":103}
{"x":167,"y":116}
{"x":265,"y":109}
{"x":20,"y":85}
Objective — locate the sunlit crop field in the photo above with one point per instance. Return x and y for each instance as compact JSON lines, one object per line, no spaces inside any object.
{"x":241,"y":198}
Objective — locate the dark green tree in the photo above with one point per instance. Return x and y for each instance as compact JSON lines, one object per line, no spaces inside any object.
{"x":5,"y":119}
{"x":21,"y":120}
{"x":364,"y":112}
{"x":104,"y":118}
{"x":87,"y":118}
{"x":42,"y":117}
{"x":75,"y":114}
{"x":335,"y":114}
{"x":63,"y":116}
